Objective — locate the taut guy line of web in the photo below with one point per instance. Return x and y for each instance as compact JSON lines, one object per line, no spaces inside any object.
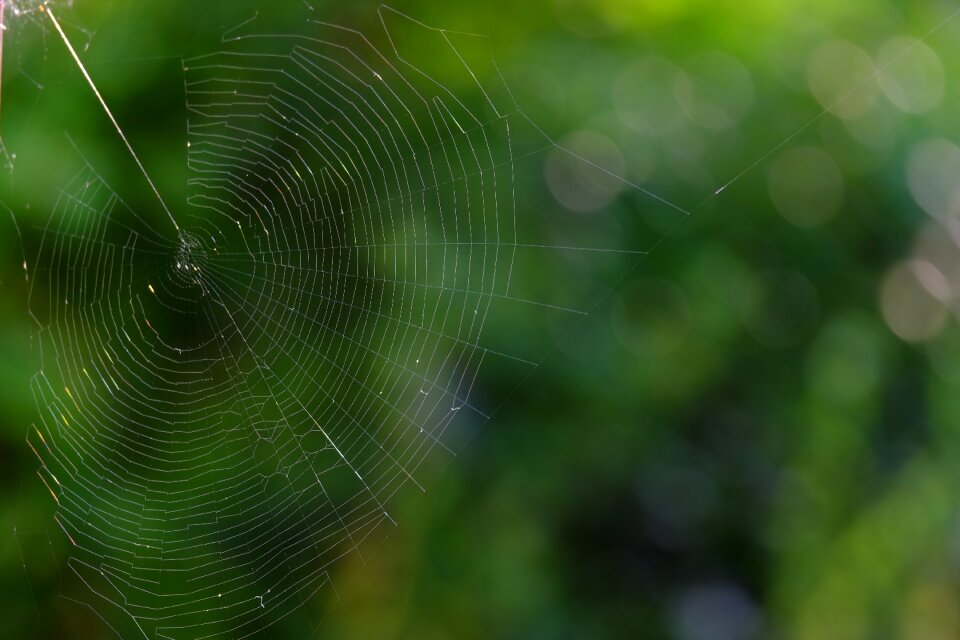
{"x":103,"y":103}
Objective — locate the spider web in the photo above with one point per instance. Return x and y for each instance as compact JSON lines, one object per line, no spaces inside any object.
{"x":231,"y":407}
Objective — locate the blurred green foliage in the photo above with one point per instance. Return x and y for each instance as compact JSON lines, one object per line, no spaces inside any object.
{"x":753,"y":437}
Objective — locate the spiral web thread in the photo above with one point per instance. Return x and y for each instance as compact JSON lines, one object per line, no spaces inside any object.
{"x":228,"y":410}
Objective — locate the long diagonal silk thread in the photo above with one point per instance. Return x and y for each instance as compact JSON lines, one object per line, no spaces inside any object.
{"x":103,"y":103}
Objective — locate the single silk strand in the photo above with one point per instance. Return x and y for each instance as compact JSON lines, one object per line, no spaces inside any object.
{"x":76,"y":58}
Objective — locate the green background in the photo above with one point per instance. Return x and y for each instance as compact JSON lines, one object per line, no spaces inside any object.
{"x":754,"y":436}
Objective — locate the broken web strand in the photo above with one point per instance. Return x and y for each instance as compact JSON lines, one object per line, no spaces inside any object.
{"x":239,"y":411}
